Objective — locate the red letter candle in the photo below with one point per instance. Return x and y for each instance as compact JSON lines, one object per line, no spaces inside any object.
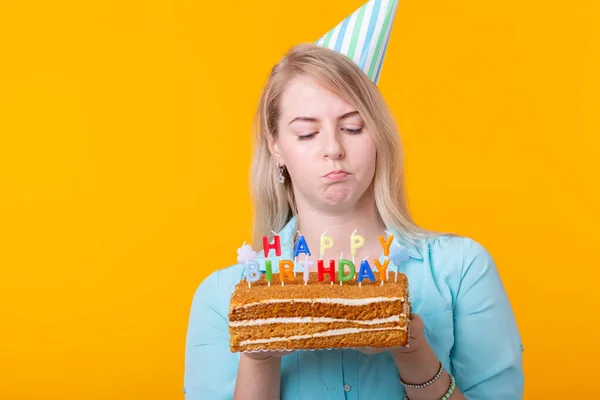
{"x":321,"y":270}
{"x":276,"y":245}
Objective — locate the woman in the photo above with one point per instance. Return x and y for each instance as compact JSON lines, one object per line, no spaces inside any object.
{"x":328,"y":157}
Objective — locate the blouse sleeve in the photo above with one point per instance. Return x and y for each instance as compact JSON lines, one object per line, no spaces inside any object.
{"x":486,"y":357}
{"x":210,"y":367}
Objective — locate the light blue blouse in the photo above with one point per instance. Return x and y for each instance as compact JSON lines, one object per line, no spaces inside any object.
{"x":454,"y":286}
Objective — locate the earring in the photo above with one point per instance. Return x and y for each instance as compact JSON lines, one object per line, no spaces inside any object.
{"x":280,"y":177}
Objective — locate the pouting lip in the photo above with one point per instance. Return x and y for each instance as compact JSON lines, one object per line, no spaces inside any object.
{"x":337,"y":171}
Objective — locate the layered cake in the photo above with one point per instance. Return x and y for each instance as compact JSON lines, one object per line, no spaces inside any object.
{"x":318,"y":315}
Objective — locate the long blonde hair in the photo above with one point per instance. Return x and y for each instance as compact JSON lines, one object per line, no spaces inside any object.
{"x":274,"y":203}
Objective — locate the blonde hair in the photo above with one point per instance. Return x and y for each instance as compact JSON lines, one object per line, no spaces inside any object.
{"x":274,"y":203}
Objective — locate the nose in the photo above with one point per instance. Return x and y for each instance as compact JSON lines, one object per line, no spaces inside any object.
{"x":333,"y":148}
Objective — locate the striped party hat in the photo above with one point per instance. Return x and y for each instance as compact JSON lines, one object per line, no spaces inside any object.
{"x":364,"y":35}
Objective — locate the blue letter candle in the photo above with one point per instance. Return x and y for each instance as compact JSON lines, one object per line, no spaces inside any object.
{"x":365,"y":272}
{"x":252,"y":272}
{"x":301,"y":247}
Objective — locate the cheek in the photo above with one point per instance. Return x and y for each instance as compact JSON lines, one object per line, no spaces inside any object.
{"x":365,"y":154}
{"x":303,"y":173}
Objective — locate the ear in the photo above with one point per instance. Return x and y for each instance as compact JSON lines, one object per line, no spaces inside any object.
{"x":275,"y":150}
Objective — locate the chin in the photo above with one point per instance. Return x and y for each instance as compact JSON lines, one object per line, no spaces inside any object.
{"x":338,"y":195}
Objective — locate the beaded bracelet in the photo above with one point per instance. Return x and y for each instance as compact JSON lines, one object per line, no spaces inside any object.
{"x":448,"y":393}
{"x":429,"y":382}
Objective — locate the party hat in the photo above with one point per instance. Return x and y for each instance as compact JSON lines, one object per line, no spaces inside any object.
{"x":364,"y":35}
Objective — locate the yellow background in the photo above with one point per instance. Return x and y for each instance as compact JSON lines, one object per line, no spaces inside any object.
{"x":124,"y":147}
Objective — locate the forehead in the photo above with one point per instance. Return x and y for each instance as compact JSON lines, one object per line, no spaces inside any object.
{"x":304,"y":96}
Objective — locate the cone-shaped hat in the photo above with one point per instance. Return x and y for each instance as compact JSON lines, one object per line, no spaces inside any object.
{"x":364,"y":35}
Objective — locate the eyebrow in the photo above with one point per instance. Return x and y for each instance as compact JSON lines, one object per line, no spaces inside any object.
{"x":313,"y":119}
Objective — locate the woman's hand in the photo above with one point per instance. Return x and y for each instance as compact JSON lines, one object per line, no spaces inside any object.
{"x":417,"y":364}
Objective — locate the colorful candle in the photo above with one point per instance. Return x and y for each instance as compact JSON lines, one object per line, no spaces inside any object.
{"x":301,"y":247}
{"x":246,"y":256}
{"x":252,"y":272}
{"x":326,"y":243}
{"x":385,"y":244}
{"x":268,"y":271}
{"x":346,"y":270}
{"x":342,"y":275}
{"x":356,"y":242}
{"x":276,"y":245}
{"x":321,"y":270}
{"x":286,"y":267}
{"x":306,"y":265}
{"x":382,"y":268}
{"x":245,"y":253}
{"x":365,"y":272}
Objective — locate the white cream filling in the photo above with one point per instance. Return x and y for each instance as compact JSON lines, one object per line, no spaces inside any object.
{"x":309,"y":320}
{"x":331,"y":332}
{"x":343,"y":302}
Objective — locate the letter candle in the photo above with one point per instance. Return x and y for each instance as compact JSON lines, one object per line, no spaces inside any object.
{"x":288,"y":268}
{"x":306,"y":265}
{"x":385,"y":244}
{"x":382,"y":269}
{"x":329,"y":271}
{"x":268,"y":272}
{"x":365,"y":271}
{"x":342,"y":276}
{"x":252,"y":272}
{"x":301,"y":247}
{"x":252,"y":269}
{"x":276,"y":245}
{"x":356,"y":242}
{"x":326,"y":243}
{"x":267,"y":247}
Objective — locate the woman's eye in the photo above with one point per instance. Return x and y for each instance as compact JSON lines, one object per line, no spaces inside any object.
{"x":306,"y":137}
{"x":353,"y":131}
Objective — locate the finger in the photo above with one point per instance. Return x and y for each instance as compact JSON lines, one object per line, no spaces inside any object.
{"x":416,"y":325}
{"x":416,"y":318}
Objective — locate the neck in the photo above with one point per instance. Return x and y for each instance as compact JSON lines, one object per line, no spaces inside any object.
{"x":363,"y":218}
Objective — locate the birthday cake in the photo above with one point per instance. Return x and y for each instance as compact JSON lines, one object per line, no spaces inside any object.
{"x":338,"y":306}
{"x":318,"y":315}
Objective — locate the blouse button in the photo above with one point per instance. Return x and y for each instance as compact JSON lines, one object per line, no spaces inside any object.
{"x":347,"y":388}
